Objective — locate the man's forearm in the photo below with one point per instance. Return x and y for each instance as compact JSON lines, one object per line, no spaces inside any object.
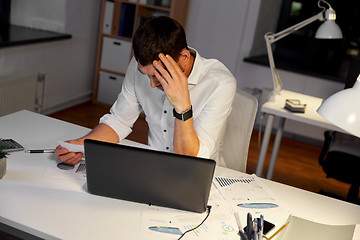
{"x":102,"y":132}
{"x":186,"y":141}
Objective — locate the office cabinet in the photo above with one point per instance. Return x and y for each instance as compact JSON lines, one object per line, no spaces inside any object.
{"x":109,"y":87}
{"x":115,"y":54}
{"x":119,"y":21}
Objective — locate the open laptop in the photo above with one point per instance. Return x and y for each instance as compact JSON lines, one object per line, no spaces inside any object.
{"x":148,"y":176}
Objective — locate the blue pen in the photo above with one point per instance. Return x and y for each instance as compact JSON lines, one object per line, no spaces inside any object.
{"x":261,"y":227}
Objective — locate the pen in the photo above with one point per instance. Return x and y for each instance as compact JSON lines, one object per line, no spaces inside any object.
{"x":241,"y":233}
{"x":249,"y":226}
{"x":261,"y":227}
{"x":40,"y":151}
{"x":255,"y":229}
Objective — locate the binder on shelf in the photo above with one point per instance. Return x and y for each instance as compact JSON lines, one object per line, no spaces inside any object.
{"x":126,"y":22}
{"x":108,"y":17}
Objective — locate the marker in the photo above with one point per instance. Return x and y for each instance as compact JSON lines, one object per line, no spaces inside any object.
{"x":249,"y":226}
{"x":40,"y":151}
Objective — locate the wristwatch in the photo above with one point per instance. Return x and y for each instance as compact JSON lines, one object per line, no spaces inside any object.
{"x":183,"y":116}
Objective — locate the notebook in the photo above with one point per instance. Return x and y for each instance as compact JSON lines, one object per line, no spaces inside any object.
{"x":148,"y":176}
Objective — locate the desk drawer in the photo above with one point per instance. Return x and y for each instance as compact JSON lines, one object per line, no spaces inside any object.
{"x":109,"y":87}
{"x":115,"y":54}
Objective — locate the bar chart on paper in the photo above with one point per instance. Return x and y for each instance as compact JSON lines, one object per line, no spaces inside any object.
{"x":202,"y":229}
{"x":243,"y":189}
{"x":226,"y":181}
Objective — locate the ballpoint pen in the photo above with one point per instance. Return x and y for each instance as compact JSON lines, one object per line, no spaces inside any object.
{"x":261,"y":227}
{"x":40,"y":151}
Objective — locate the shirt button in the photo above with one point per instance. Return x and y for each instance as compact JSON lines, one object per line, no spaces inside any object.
{"x":165,"y":111}
{"x":165,"y":130}
{"x":167,"y":148}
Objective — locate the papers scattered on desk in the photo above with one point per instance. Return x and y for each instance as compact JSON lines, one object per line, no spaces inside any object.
{"x":164,"y":223}
{"x":248,"y":194}
{"x":61,"y":170}
{"x":238,"y":192}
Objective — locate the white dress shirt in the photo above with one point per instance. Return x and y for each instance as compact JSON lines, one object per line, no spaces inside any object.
{"x":212,"y":89}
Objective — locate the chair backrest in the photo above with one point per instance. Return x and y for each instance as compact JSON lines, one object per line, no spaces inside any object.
{"x":239,"y":127}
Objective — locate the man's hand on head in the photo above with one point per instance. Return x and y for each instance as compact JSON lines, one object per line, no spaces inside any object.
{"x":174,"y":82}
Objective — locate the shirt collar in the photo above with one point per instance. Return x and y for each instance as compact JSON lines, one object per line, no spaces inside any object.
{"x":196,"y":69}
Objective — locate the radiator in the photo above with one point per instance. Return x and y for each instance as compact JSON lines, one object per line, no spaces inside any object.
{"x":19,"y":91}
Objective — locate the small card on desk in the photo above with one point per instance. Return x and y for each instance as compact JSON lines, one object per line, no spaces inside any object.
{"x":294,"y":105}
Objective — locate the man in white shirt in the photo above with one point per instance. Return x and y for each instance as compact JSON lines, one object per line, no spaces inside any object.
{"x":186,"y":103}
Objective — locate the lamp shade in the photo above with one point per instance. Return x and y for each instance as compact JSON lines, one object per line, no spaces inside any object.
{"x":343,"y":109}
{"x":329,"y":29}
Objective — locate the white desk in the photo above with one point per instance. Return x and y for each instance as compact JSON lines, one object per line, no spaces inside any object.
{"x":275,"y":108}
{"x":54,"y":208}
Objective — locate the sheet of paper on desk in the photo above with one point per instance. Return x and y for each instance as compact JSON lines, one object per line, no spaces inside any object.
{"x":248,"y":194}
{"x":164,"y":223}
{"x":61,"y":170}
{"x":158,"y":223}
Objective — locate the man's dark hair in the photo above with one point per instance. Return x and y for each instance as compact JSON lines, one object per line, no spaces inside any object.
{"x":158,"y":35}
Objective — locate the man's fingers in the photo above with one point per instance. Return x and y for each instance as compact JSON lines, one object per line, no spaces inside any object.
{"x":159,"y":77}
{"x":71,"y":158}
{"x":175,"y":67}
{"x":166,"y":75}
{"x":60,"y":150}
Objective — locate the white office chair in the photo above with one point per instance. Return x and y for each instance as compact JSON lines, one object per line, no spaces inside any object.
{"x":239,"y":127}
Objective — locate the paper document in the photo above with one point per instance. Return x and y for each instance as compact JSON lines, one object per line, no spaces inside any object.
{"x":72,"y":147}
{"x":62,"y":170}
{"x":248,"y":194}
{"x":164,"y":223}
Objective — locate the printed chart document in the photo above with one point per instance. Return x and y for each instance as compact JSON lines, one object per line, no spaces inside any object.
{"x":163,"y":223}
{"x":248,"y":194}
{"x":238,"y":192}
{"x":62,"y":170}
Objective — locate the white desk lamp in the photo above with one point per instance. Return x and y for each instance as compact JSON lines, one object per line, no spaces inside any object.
{"x":328,"y":30}
{"x":343,"y":110}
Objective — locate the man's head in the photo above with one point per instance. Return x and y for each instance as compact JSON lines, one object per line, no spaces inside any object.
{"x":158,"y":35}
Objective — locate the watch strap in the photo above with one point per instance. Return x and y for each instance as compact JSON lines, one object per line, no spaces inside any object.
{"x":183,"y":116}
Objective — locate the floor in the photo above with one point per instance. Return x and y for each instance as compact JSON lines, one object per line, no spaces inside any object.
{"x":297,"y":163}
